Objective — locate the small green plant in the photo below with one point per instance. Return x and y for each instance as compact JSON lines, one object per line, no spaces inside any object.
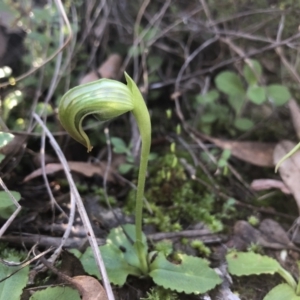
{"x":200,"y":247}
{"x":159,"y":293}
{"x":249,"y":263}
{"x":238,"y":93}
{"x":126,"y":249}
{"x":120,"y":147}
{"x":7,"y":207}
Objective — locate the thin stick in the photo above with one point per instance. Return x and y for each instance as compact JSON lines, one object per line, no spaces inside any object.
{"x":15,"y":202}
{"x":81,"y":209}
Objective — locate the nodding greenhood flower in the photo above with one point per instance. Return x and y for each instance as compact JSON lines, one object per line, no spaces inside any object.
{"x":108,"y":99}
{"x":105,"y":98}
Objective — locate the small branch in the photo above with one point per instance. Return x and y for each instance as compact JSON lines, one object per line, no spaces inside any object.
{"x":81,"y":209}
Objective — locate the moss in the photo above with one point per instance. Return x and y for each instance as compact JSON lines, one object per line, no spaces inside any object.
{"x":174,"y":199}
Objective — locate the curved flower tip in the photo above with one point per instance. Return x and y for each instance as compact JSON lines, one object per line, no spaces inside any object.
{"x":105,"y":98}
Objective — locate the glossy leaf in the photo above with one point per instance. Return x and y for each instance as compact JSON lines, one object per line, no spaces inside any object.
{"x":192,"y":275}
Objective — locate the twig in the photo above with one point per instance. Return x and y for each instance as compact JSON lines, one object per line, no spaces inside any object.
{"x":81,"y":209}
{"x":15,"y":213}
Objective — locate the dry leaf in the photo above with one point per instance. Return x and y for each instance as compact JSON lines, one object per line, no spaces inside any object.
{"x":266,"y":184}
{"x":295,"y":114}
{"x":256,"y":153}
{"x":89,"y":288}
{"x":109,"y":69}
{"x":270,"y":235}
{"x":84,"y":168}
{"x":289,"y":169}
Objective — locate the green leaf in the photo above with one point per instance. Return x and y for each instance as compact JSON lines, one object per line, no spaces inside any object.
{"x":5,"y":138}
{"x":44,"y":109}
{"x":249,"y":263}
{"x":10,"y":101}
{"x":12,"y":287}
{"x":208,"y":118}
{"x":230,"y":83}
{"x":6,"y":205}
{"x":236,"y":102}
{"x":119,"y":145}
{"x":151,"y":33}
{"x":135,"y":51}
{"x":119,"y":255}
{"x":209,"y":97}
{"x":123,"y":238}
{"x":243,"y":124}
{"x":256,"y":94}
{"x":192,"y":275}
{"x":252,"y":75}
{"x":56,"y":293}
{"x":116,"y":266}
{"x":278,"y":93}
{"x":154,"y":62}
{"x":125,"y":168}
{"x":282,"y":291}
{"x":5,"y":72}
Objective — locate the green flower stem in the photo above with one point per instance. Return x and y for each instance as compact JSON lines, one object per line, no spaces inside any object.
{"x":288,"y":278}
{"x":141,"y":114}
{"x":110,"y":99}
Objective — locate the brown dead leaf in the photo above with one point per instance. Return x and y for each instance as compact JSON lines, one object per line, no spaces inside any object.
{"x":266,"y":184}
{"x":295,"y":114}
{"x":108,"y":69}
{"x":289,"y":169}
{"x":270,"y":235}
{"x":84,"y":168}
{"x":256,"y":153}
{"x":89,"y":288}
